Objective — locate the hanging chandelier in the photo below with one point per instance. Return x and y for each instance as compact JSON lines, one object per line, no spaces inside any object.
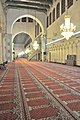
{"x":67,"y":28}
{"x":35,"y":45}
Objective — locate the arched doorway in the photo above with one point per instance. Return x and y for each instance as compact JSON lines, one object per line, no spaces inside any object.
{"x":20,"y":43}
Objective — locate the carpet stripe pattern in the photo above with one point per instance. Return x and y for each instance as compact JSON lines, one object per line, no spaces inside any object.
{"x":40,"y":91}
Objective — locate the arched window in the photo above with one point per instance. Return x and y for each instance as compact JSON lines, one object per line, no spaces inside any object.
{"x":47,"y":21}
{"x":24,"y":19}
{"x":18,"y":20}
{"x":50,"y":18}
{"x":69,"y":3}
{"x":62,"y":6}
{"x":58,"y":10}
{"x":30,"y":20}
{"x":53,"y":14}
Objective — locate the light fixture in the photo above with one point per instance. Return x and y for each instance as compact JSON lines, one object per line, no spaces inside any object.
{"x":35,"y":45}
{"x":67,"y":28}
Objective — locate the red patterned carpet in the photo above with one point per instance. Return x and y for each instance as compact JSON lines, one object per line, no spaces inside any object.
{"x":9,"y":96}
{"x":40,"y":91}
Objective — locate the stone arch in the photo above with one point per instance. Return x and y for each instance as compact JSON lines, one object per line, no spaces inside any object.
{"x":14,"y":14}
{"x":33,"y":17}
{"x":40,"y":17}
{"x":19,"y":33}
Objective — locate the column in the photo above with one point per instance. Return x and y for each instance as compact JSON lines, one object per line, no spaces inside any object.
{"x":3,"y":47}
{"x":43,"y":40}
{"x":8,"y":47}
{"x":1,"y":59}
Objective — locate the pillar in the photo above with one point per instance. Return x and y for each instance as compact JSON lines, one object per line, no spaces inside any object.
{"x":1,"y":54}
{"x":3,"y":47}
{"x":8,"y":43}
{"x":43,"y":41}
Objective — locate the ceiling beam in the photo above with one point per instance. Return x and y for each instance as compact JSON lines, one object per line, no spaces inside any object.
{"x":25,"y":7}
{"x":42,"y":6}
{"x":45,"y":2}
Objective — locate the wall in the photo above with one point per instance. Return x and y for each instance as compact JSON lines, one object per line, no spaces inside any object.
{"x":14,"y":14}
{"x":2,"y":33}
{"x":60,"y":50}
{"x":29,"y":28}
{"x":17,"y":13}
{"x":8,"y":47}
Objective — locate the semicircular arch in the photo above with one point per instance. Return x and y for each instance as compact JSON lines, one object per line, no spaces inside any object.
{"x":19,"y":33}
{"x":31,"y":16}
